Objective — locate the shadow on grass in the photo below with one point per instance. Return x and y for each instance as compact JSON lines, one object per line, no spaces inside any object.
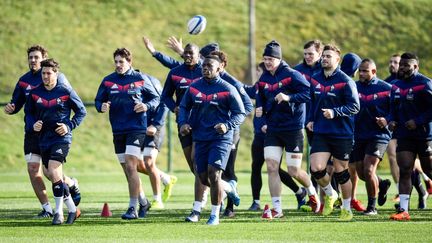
{"x":91,"y":217}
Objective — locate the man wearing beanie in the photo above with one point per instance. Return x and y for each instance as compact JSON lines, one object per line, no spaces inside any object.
{"x":350,"y":64}
{"x":282,"y":94}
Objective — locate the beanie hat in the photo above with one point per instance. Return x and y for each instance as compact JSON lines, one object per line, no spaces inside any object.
{"x":273,"y":49}
{"x":209,"y":48}
{"x":350,"y":64}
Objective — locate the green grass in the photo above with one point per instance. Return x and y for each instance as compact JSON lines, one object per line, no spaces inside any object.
{"x":18,"y":205}
{"x":82,"y":36}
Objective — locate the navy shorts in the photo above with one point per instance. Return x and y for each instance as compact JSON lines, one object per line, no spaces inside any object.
{"x":57,"y":152}
{"x":156,"y":140}
{"x":292,"y":141}
{"x":422,"y":148}
{"x":339,"y":148}
{"x":130,"y":139}
{"x":214,"y":153}
{"x":370,"y":147}
{"x":31,"y":143}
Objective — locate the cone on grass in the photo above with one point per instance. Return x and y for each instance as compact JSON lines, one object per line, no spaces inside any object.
{"x":106,"y":211}
{"x":267,"y":213}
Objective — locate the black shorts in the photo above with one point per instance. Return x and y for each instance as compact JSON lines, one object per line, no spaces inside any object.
{"x":31,"y":143}
{"x":422,"y":148}
{"x":57,"y":152}
{"x":292,"y":141}
{"x":367,"y":147}
{"x":130,"y":139}
{"x":156,"y":140}
{"x":339,"y":148}
{"x":185,"y":141}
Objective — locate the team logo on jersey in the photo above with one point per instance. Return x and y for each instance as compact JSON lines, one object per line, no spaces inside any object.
{"x":183,"y":81}
{"x":199,"y":95}
{"x":280,"y":85}
{"x":375,"y":96}
{"x":215,"y":96}
{"x":59,"y":151}
{"x":115,"y":86}
{"x":59,"y":101}
{"x":410,"y":95}
{"x":29,"y":87}
{"x":266,"y":86}
{"x":39,"y":100}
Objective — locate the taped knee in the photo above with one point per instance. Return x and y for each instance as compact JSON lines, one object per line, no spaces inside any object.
{"x":342,"y":177}
{"x":318,"y":174}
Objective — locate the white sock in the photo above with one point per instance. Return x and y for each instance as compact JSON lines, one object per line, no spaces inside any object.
{"x":142,"y":199}
{"x":311,"y":190}
{"x":425,"y":177}
{"x":276,"y":201}
{"x":404,"y":201}
{"x":72,"y":183}
{"x":47,"y":207}
{"x":197,"y":206}
{"x":157,"y":197}
{"x":346,"y":204}
{"x":215,"y":209}
{"x":226,"y":186}
{"x":70,"y":204}
{"x":133,"y":202}
{"x":59,"y":205}
{"x":328,"y":190}
{"x":257,"y":201}
{"x":165,"y":178}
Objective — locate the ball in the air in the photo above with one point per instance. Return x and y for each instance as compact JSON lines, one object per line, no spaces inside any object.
{"x":196,"y":24}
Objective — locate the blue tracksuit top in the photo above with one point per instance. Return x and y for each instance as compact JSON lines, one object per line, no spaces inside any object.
{"x":247,"y":103}
{"x":52,"y":107}
{"x":286,"y":116}
{"x":207,"y":103}
{"x":258,"y":122}
{"x":339,"y":93}
{"x":177,"y":81}
{"x":308,"y":72}
{"x":412,"y":99}
{"x":391,"y":78}
{"x":25,"y":84}
{"x":374,"y":102}
{"x":156,"y":117}
{"x":165,"y":60}
{"x":124,"y":91}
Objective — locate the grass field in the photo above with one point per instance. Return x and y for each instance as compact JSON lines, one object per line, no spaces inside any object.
{"x":18,"y":205}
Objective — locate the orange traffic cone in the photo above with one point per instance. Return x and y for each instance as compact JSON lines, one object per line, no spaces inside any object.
{"x":267,"y":213}
{"x":106,"y":211}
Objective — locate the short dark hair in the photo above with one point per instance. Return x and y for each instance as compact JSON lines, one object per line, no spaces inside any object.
{"x":123,"y":52}
{"x":410,"y":56}
{"x":222,"y":56}
{"x":51,"y":63}
{"x":214,"y":57}
{"x":39,"y":48}
{"x":332,"y":47}
{"x":192,"y":46}
{"x":315,"y":43}
{"x":368,"y":60}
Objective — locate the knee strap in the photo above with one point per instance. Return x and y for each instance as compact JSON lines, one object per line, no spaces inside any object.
{"x":319,"y":174}
{"x":342,"y":177}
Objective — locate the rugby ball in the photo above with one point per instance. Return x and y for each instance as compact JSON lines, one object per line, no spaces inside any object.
{"x":196,"y":24}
